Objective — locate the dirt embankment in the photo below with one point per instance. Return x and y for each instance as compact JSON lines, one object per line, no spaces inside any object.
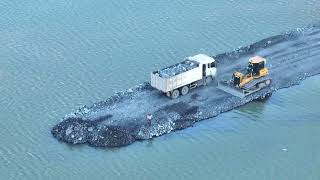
{"x":121,"y":119}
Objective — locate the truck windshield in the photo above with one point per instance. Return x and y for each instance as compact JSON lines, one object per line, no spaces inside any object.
{"x":213,"y":64}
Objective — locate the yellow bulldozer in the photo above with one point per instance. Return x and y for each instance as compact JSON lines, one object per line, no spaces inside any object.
{"x":244,"y":84}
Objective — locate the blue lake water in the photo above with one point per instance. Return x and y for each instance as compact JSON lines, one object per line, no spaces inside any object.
{"x":56,"y":56}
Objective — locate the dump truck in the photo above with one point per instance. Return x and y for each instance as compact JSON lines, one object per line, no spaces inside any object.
{"x":254,"y":79}
{"x":178,"y":79}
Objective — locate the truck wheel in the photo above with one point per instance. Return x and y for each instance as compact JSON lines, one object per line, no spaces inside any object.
{"x":184,"y":90}
{"x":175,"y":94}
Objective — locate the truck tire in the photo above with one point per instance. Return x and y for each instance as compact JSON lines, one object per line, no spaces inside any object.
{"x":175,"y":94}
{"x":184,"y":90}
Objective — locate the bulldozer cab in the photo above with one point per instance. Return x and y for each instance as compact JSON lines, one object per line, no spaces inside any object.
{"x":255,"y":69}
{"x":256,"y":64}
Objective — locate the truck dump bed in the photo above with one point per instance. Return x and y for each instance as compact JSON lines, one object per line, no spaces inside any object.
{"x":176,"y":76}
{"x":178,"y":68}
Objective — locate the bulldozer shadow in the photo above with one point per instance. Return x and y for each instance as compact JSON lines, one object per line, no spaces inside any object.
{"x":255,"y":109}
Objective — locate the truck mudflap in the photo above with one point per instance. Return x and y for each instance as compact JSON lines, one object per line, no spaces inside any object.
{"x":250,"y":88}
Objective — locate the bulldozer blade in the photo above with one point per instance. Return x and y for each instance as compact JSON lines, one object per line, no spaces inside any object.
{"x":231,"y":90}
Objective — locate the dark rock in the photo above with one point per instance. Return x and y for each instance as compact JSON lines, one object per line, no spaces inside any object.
{"x":112,"y":136}
{"x":72,"y":130}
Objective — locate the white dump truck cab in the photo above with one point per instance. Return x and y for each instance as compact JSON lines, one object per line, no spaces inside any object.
{"x":178,"y":79}
{"x":207,"y":63}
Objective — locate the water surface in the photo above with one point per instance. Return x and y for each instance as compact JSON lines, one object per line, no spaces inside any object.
{"x":57,"y":56}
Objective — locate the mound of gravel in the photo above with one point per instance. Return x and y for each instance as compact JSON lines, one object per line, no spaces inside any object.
{"x":178,"y":68}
